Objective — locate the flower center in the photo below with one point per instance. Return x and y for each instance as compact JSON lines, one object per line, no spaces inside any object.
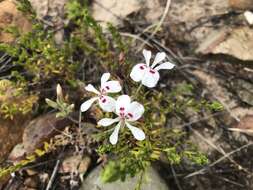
{"x":123,"y":115}
{"x":102,"y":98}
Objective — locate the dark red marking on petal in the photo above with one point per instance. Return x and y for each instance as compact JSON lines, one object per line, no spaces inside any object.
{"x":107,"y":87}
{"x":142,"y":67}
{"x":104,"y":100}
{"x":130,"y":115}
{"x":152,"y":71}
{"x":121,"y":108}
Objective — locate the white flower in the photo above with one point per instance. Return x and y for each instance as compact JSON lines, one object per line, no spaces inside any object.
{"x":106,"y":103}
{"x":149,"y":75}
{"x":127,"y":112}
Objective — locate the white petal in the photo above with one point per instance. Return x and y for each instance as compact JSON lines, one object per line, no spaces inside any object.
{"x":107,"y":121}
{"x":107,"y":103}
{"x":150,"y":78}
{"x":123,"y":101}
{"x":135,"y":111}
{"x":87,"y":104}
{"x":137,"y":133}
{"x":111,"y":86}
{"x":166,"y":65}
{"x":138,"y":72}
{"x":105,"y":77}
{"x":147,"y":54}
{"x":158,"y":58}
{"x":91,"y":88}
{"x":114,"y":136}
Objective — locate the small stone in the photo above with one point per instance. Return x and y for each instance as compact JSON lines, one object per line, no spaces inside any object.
{"x":151,"y":181}
{"x":249,"y":17}
{"x":31,"y":172}
{"x":77,"y":163}
{"x":31,"y":182}
{"x":17,"y":153}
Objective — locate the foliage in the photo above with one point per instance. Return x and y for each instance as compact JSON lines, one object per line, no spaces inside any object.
{"x":37,"y":53}
{"x":14,"y":100}
{"x":133,"y":157}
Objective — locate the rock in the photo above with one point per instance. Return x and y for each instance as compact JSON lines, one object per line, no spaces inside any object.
{"x":41,"y":130}
{"x":152,"y":181}
{"x":105,"y":10}
{"x":10,"y":16}
{"x":52,"y":12}
{"x":189,"y":21}
{"x":76,"y":163}
{"x":114,"y":11}
{"x":244,"y":90}
{"x":10,"y":134}
{"x":53,"y":9}
{"x":234,"y":42}
{"x":241,"y":4}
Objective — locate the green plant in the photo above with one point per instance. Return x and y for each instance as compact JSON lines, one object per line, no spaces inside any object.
{"x":14,"y":99}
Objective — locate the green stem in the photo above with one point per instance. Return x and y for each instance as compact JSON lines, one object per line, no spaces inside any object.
{"x":137,"y":91}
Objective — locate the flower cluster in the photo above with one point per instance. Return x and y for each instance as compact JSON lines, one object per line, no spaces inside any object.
{"x":127,"y":111}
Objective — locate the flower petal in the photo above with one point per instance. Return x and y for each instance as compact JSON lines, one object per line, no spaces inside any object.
{"x":107,"y":103}
{"x":114,"y":136}
{"x":138,"y":72}
{"x":150,"y":78}
{"x":137,"y":133}
{"x":166,"y":65}
{"x":87,"y":104}
{"x":105,"y":77}
{"x":122,"y":102}
{"x":160,"y":56}
{"x":107,"y":121}
{"x":135,"y":111}
{"x":111,"y":86}
{"x":91,"y":88}
{"x":147,"y":55}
